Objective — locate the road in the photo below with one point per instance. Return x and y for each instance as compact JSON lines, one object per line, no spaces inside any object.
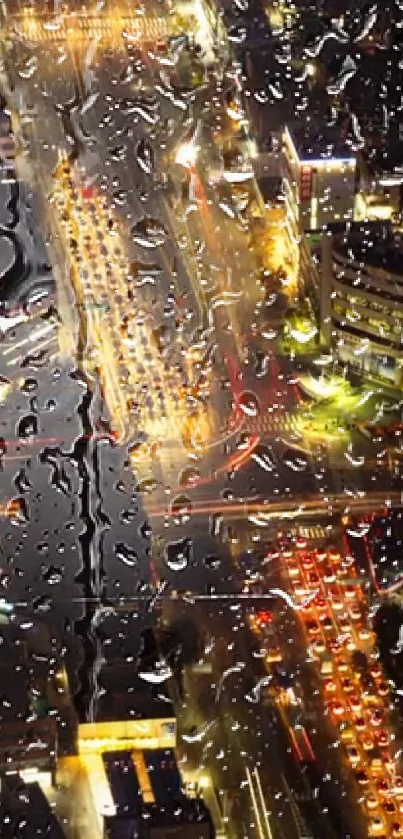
{"x":191,"y":270}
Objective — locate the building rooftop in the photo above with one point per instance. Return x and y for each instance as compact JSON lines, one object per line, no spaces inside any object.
{"x":127,"y":696}
{"x":319,"y":142}
{"x":371,"y":243}
{"x":189,"y":820}
{"x":29,"y":814}
{"x":386,"y":160}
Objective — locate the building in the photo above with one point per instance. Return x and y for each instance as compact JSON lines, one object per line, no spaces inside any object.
{"x":7,"y":141}
{"x":36,"y":708}
{"x":148,"y":796}
{"x":380,"y":184}
{"x":361,"y":298}
{"x":25,"y":812}
{"x":319,"y":178}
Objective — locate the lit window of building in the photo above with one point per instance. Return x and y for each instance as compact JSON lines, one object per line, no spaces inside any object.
{"x":361,"y":298}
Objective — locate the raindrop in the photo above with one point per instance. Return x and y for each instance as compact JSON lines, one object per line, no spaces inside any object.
{"x":212,"y":562}
{"x":149,"y":233}
{"x":126,"y":554}
{"x":177,"y":555}
{"x":248,"y":403}
{"x":27,"y":426}
{"x":189,"y":476}
{"x":42,"y":604}
{"x":52,"y":575}
{"x":147,"y":486}
{"x":22,"y":481}
{"x":29,"y":385}
{"x":181,"y":509}
{"x":145,"y":156}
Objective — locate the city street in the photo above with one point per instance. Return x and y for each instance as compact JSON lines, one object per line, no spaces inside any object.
{"x":175,"y":445}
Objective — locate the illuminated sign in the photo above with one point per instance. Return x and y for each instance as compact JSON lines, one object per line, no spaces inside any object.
{"x":305,"y":183}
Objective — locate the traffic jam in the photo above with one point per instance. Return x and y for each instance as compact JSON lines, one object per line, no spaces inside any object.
{"x":327,"y":596}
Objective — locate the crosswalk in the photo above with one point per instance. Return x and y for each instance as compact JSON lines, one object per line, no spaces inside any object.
{"x":39,"y":29}
{"x":272,"y":423}
{"x":34,"y":340}
{"x":314,"y":533}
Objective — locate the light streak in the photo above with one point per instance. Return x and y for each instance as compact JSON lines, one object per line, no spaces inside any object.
{"x":254,"y":804}
{"x":295,"y":744}
{"x":308,"y":744}
{"x":263,"y":803}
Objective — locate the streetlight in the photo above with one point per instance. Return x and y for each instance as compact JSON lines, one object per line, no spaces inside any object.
{"x":186,"y":155}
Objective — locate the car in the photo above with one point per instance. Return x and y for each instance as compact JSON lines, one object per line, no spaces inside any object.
{"x":383,"y":689}
{"x":355,"y":613}
{"x":397,"y":788}
{"x":321,"y":603}
{"x":359,"y":723}
{"x":377,"y":717}
{"x":293,"y":570}
{"x":353,"y":756}
{"x":312,"y":627}
{"x":389,"y":807}
{"x":347,"y":685}
{"x":329,"y":577}
{"x":376,"y":826}
{"x":307,"y":563}
{"x":326,"y":622}
{"x":367,"y":743}
{"x":344,"y":623}
{"x":337,"y":605}
{"x":335,"y":645}
{"x":377,"y":767}
{"x":382,"y":787}
{"x":362,"y":778}
{"x":350,"y":593}
{"x":365,"y":634}
{"x":397,"y":830}
{"x":319,"y":647}
{"x":371,"y":801}
{"x":382,"y":739}
{"x":355,"y":704}
{"x":372,"y":700}
{"x":330,"y":686}
{"x":347,"y":734}
{"x":337,"y":708}
{"x":312,"y":578}
{"x":376,"y":670}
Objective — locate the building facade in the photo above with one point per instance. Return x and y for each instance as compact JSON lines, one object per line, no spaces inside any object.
{"x":319,"y":180}
{"x":361,"y":299}
{"x":319,"y":173}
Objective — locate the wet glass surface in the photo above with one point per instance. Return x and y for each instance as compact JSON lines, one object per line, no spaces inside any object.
{"x":200,"y":420}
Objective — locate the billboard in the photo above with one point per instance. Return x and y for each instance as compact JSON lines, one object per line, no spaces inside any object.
{"x":305,"y":183}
